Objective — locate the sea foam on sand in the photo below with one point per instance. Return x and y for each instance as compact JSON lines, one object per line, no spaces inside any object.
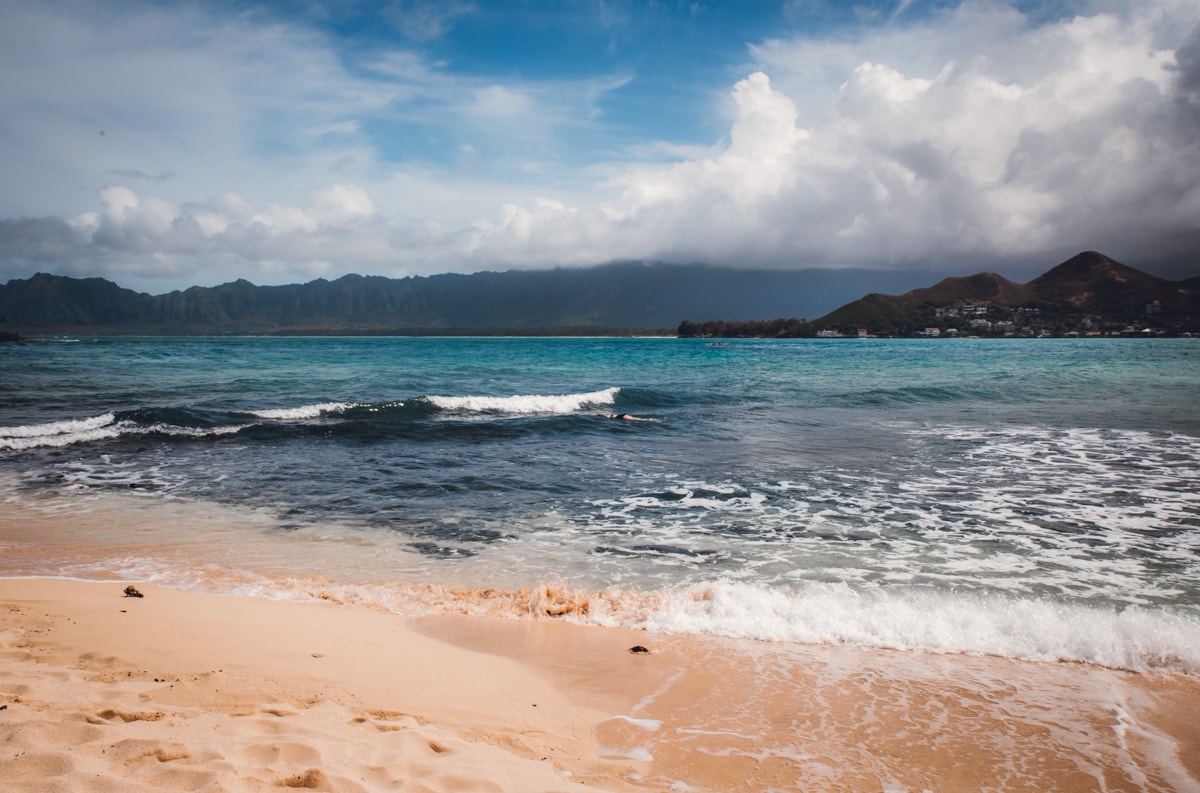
{"x":185,"y":691}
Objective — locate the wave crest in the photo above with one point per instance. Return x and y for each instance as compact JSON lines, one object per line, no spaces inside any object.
{"x":525,"y":404}
{"x":304,"y":411}
{"x":59,"y":433}
{"x":104,"y":427}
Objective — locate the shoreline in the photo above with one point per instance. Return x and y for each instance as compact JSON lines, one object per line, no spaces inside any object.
{"x":182,"y":689}
{"x":212,"y":548}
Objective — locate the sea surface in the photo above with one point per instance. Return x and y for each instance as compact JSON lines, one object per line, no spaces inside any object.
{"x":1034,"y":499}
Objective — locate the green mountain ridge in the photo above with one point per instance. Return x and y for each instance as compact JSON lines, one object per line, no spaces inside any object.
{"x":621,"y":295}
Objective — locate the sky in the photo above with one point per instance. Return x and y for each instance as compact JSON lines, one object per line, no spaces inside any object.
{"x":169,"y":144}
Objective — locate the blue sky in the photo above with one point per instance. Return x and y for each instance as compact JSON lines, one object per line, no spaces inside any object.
{"x":169,"y":144}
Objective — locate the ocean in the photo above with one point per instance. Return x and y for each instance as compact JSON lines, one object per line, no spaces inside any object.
{"x":1028,"y":499}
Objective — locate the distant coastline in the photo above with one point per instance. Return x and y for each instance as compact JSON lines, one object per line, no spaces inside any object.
{"x":461,"y":332}
{"x":808,"y":330}
{"x":1089,"y":295}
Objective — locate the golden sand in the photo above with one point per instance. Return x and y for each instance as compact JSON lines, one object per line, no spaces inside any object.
{"x":182,"y":691}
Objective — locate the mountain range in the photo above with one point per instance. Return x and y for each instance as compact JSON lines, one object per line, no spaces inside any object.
{"x":588,"y":300}
{"x":1088,"y":293}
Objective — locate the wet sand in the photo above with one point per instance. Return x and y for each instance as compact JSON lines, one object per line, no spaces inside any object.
{"x":188,"y":691}
{"x":739,"y":715}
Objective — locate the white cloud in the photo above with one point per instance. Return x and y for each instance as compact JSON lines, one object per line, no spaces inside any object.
{"x":973,"y":135}
{"x":957,"y":138}
{"x":498,"y":101}
{"x":422,"y":21}
{"x":341,"y":202}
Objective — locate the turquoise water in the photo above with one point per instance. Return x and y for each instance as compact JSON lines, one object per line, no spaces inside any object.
{"x":1035,"y":498}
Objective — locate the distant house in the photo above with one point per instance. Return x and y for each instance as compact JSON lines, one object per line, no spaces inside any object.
{"x":931,"y":332}
{"x":828,"y":334}
{"x":964,"y":311}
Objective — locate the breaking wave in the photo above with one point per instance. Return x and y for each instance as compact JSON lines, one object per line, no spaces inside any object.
{"x":304,"y":411}
{"x":187,"y":423}
{"x":104,"y":427}
{"x":525,"y":404}
{"x":1131,"y":638}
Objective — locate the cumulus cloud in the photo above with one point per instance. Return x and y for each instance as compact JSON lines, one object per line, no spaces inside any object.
{"x":1187,"y":65}
{"x":153,"y":234}
{"x":975,"y":135}
{"x":1073,"y":134}
{"x":1079,"y":133}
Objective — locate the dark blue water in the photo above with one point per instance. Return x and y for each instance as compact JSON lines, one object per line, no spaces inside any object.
{"x":940,"y":493}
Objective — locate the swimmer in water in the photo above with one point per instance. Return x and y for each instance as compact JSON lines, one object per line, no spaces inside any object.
{"x":623,"y":416}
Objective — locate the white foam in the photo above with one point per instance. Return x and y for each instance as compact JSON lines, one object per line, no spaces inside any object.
{"x":639,"y":754}
{"x":526,"y":404}
{"x":1133,"y":638}
{"x":60,"y":433}
{"x":103,"y":427}
{"x":192,"y":432}
{"x":1113,"y":525}
{"x":648,"y":725}
{"x":57,"y":427}
{"x":304,"y":411}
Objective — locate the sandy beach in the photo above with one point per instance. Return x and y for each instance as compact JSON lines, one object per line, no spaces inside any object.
{"x":180,"y":691}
